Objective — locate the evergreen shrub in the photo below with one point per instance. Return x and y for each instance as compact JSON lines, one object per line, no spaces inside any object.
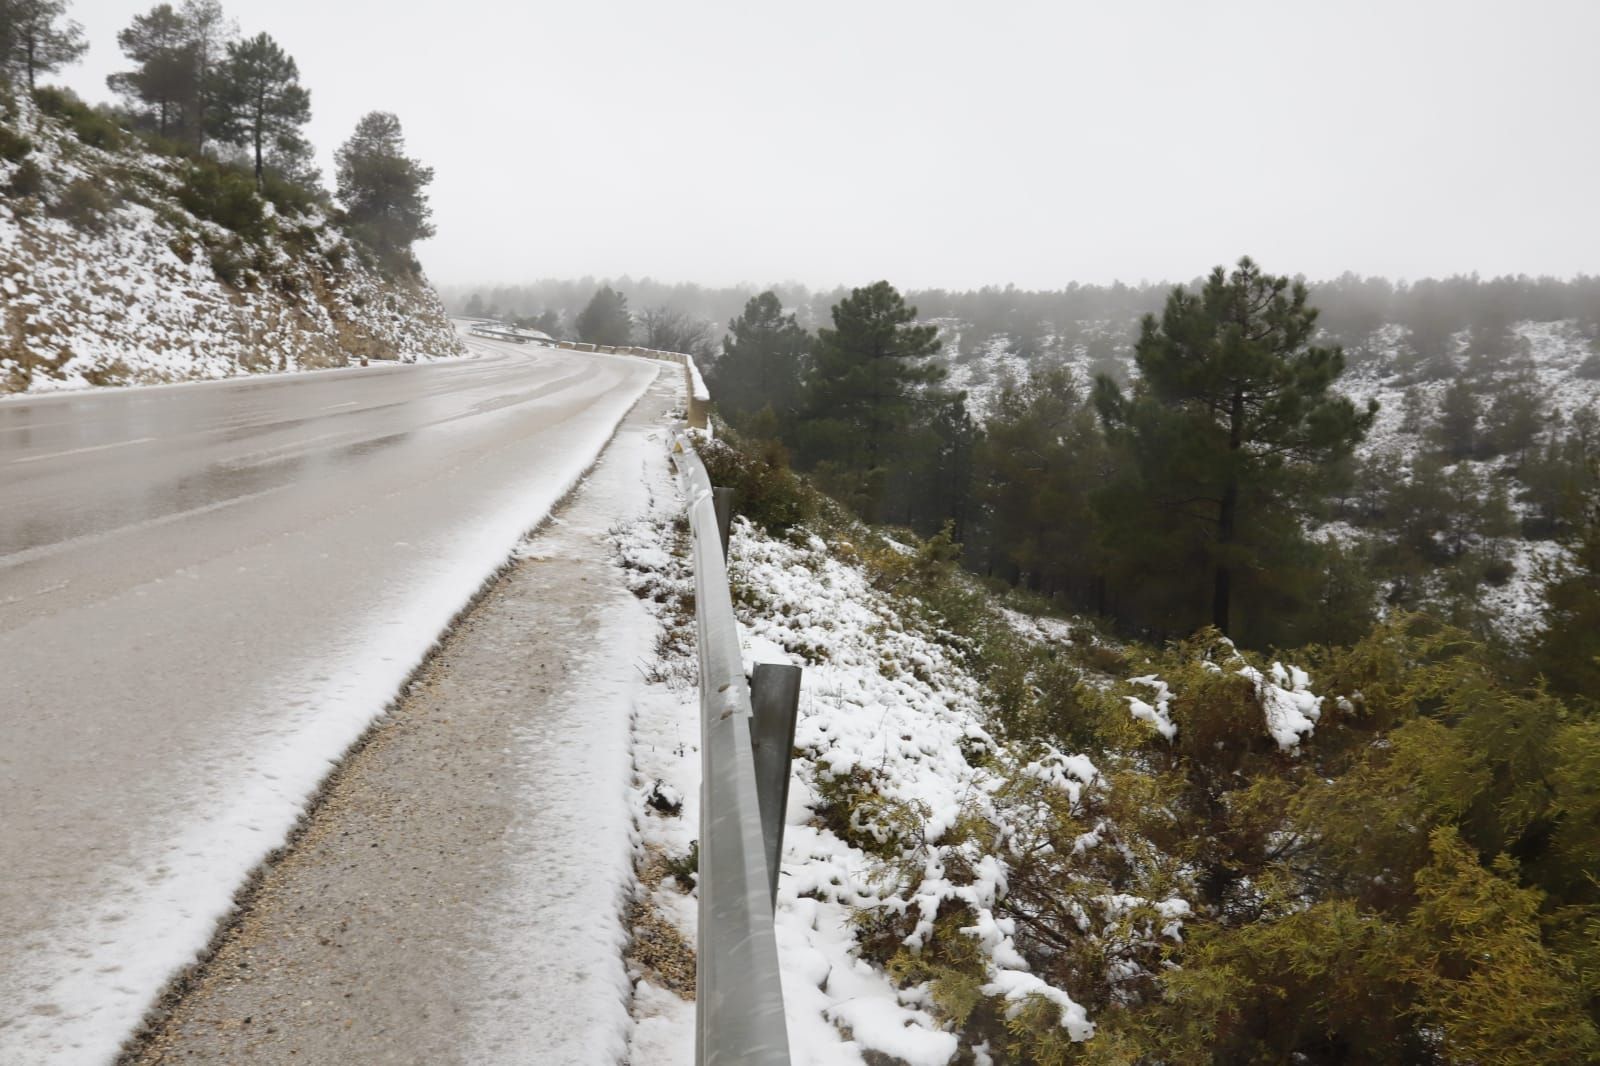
{"x":93,"y":128}
{"x":83,"y":204}
{"x":225,"y":197}
{"x":27,"y":180}
{"x":765,"y":490}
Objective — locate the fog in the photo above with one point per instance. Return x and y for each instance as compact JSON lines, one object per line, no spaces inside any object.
{"x":955,"y":145}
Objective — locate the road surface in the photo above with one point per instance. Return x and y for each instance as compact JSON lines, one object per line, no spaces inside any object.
{"x":206,"y":593}
{"x":456,"y":896}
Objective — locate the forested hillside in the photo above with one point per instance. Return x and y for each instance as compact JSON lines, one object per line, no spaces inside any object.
{"x":1260,"y":725}
{"x":1463,"y":496}
{"x":186,"y":235}
{"x":1057,"y":846}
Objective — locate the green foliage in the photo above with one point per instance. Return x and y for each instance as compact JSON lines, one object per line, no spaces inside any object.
{"x":765,"y":490}
{"x":874,"y":427}
{"x":260,"y":104}
{"x":1370,"y":909}
{"x":605,"y":320}
{"x":92,"y":127}
{"x":1480,"y":969}
{"x":861,"y":386}
{"x":1456,"y":433}
{"x":231,"y":262}
{"x":382,"y":189}
{"x":1415,"y":883}
{"x":166,"y":79}
{"x":26,"y":181}
{"x":174,"y":88}
{"x":761,"y":363}
{"x":36,"y":38}
{"x":684,"y":867}
{"x":1230,"y":432}
{"x":222,"y":195}
{"x":289,"y":196}
{"x":1567,"y":650}
{"x":14,"y":147}
{"x":1042,"y":458}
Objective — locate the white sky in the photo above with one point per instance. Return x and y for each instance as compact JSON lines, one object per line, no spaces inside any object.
{"x":962,"y":144}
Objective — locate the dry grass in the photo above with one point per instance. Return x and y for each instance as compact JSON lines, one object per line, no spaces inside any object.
{"x":657,"y":948}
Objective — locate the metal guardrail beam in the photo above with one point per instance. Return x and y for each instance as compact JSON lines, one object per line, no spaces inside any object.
{"x":739,"y":994}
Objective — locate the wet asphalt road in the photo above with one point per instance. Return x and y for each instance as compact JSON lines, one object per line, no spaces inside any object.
{"x":205,"y":593}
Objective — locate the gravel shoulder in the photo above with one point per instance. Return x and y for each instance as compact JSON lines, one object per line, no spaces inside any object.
{"x":456,"y":893}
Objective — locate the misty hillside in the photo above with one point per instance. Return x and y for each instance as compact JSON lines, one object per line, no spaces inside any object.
{"x":119,"y":265}
{"x":1475,"y":436}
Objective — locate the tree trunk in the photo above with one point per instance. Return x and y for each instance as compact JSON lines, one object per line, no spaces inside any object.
{"x":261,"y":117}
{"x":1227,"y":512}
{"x":1222,"y":589}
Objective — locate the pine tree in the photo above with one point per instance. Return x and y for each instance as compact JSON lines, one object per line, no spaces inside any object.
{"x":762,"y":359}
{"x":1567,"y":650}
{"x":163,"y":81}
{"x":210,"y":33}
{"x":1042,"y":458}
{"x":261,"y":104}
{"x":868,"y":382}
{"x":1456,"y":433}
{"x":175,"y":52}
{"x":1232,"y":423}
{"x":605,"y":320}
{"x":382,"y":189}
{"x":35,"y":38}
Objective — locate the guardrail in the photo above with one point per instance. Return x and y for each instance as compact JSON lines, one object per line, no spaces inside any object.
{"x":699,"y":399}
{"x":746,"y":737}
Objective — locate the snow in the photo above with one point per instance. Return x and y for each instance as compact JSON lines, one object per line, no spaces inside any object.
{"x":885,"y":703}
{"x":1156,"y":715}
{"x":1017,"y":987}
{"x":1291,"y":709}
{"x":556,"y":959}
{"x":698,"y":383}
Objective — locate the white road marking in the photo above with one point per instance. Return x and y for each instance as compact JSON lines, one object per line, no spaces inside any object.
{"x":80,"y":451}
{"x":336,"y":406}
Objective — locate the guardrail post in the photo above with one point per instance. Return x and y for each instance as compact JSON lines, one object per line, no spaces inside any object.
{"x":722,"y":502}
{"x":775,"y":701}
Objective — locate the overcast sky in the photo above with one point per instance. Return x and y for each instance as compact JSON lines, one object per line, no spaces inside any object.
{"x":963,"y":144}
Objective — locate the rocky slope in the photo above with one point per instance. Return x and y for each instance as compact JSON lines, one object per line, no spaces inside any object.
{"x":115,"y":268}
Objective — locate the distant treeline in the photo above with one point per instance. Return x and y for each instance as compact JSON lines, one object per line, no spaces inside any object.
{"x":1041,"y":321}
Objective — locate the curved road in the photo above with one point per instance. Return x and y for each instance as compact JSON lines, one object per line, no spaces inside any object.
{"x":206,"y":593}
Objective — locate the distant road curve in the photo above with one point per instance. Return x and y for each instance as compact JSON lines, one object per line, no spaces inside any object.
{"x":208,"y":591}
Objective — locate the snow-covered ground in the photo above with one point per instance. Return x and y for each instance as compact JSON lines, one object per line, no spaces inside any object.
{"x":1550,"y":354}
{"x":132,"y":296}
{"x":892,"y":729}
